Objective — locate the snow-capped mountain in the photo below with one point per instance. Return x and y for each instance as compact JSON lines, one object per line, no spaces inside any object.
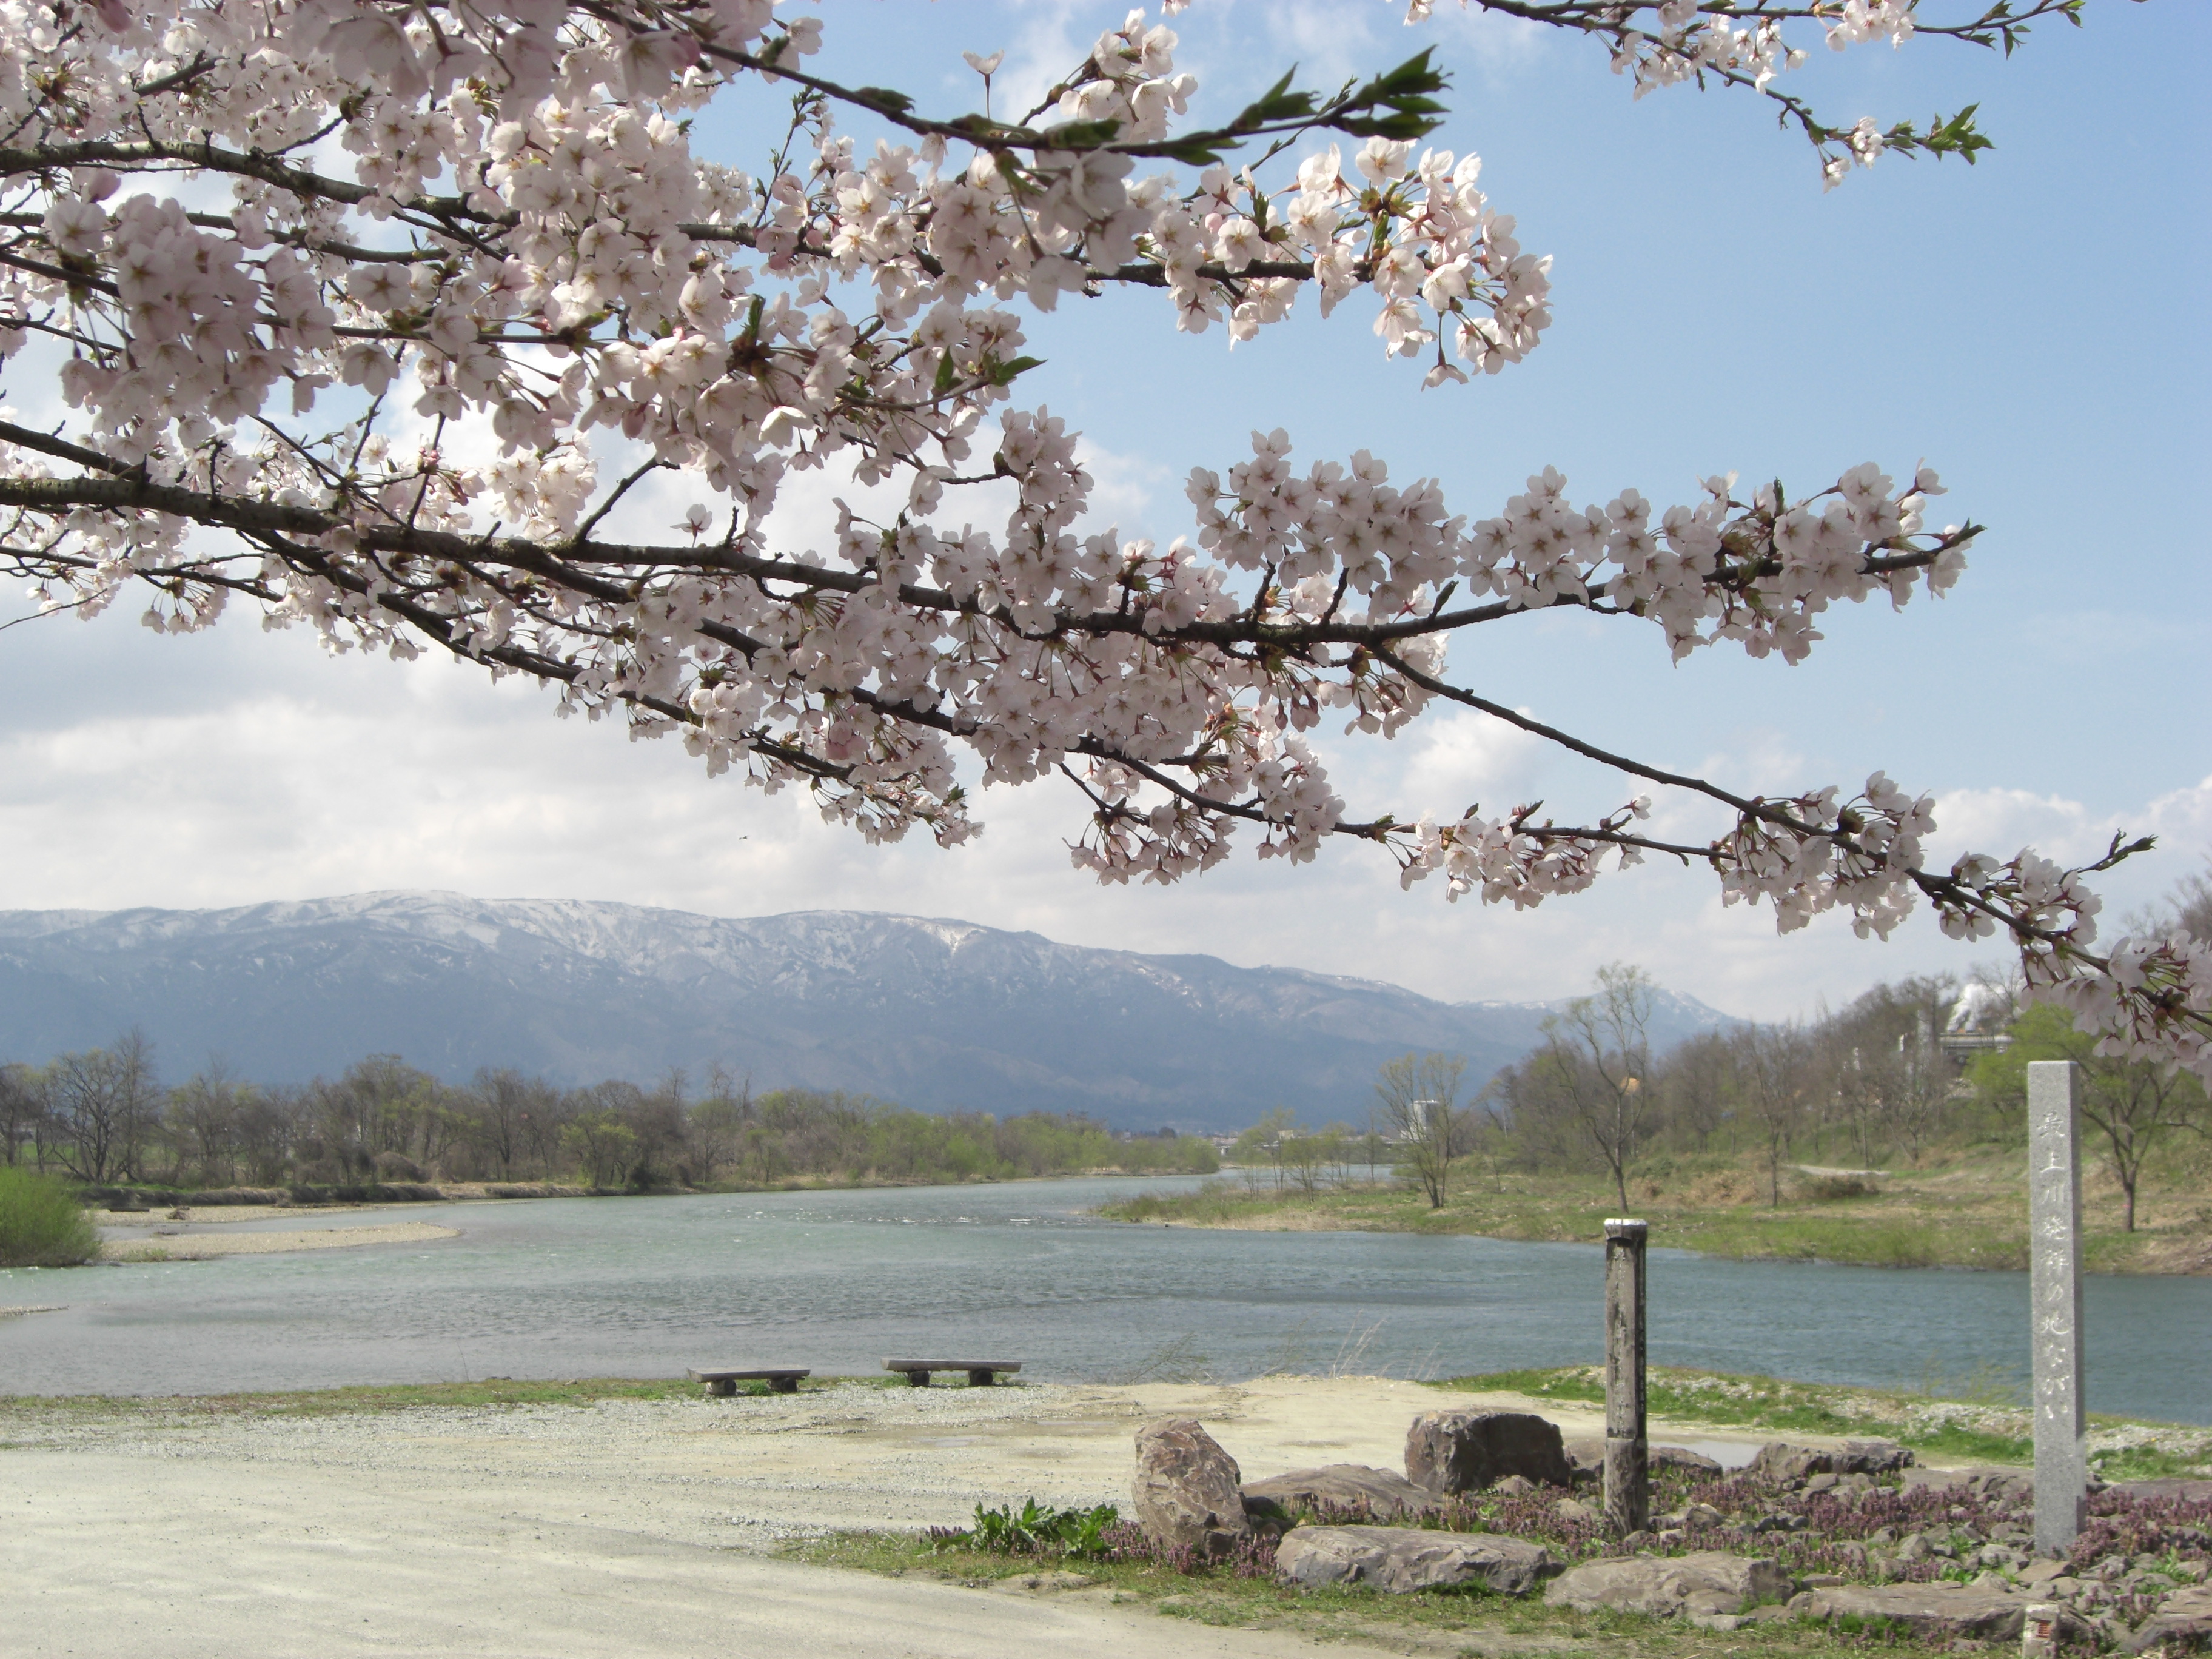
{"x":930,"y":1013}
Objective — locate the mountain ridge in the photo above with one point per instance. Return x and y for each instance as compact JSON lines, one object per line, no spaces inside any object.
{"x":933,"y":1012}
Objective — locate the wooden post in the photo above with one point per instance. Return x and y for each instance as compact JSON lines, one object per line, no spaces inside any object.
{"x":1627,"y":1472}
{"x":2054,"y":1232}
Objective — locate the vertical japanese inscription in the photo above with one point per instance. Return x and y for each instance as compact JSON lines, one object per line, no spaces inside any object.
{"x":1627,"y":1480}
{"x":2054,"y":1229}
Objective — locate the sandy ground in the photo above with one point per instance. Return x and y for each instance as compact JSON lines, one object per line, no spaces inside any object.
{"x":631,"y":1528}
{"x":212,"y":1215}
{"x":175,"y":1244}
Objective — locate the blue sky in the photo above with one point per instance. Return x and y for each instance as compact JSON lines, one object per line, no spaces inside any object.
{"x":2034,"y":326}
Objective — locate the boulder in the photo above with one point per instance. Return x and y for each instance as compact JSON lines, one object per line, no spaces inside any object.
{"x":1464,"y":1451}
{"x":2183,"y":1619}
{"x":1590,"y":1455}
{"x":1340,"y":1486}
{"x":1981,"y":1613}
{"x":1703,"y":1585}
{"x":1400,"y":1559}
{"x":1188,"y":1492}
{"x":1778,"y":1459}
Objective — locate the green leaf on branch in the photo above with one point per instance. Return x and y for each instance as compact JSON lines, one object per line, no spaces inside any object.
{"x":1004,"y":373}
{"x":1278,"y":103}
{"x":1192,"y":153}
{"x":1081,"y":134}
{"x":1956,"y":136}
{"x":1405,"y":92}
{"x":1396,"y":127}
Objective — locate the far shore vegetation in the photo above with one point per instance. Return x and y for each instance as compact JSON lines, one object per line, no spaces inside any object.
{"x":104,"y":1122}
{"x":1890,"y":1133}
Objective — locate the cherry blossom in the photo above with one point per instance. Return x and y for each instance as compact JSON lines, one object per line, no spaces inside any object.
{"x":373,"y":315}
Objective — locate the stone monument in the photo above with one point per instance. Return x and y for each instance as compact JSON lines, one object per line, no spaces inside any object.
{"x":2054,"y":1235}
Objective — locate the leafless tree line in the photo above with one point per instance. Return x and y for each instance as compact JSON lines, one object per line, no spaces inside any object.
{"x":105,"y":1118}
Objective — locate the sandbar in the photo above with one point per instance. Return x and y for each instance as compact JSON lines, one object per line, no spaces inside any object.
{"x":183,"y":1246}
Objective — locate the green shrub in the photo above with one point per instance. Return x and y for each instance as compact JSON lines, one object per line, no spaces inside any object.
{"x":1034,"y":1529}
{"x":41,"y":1224}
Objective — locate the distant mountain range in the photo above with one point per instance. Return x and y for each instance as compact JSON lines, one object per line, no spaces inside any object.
{"x":930,"y":1013}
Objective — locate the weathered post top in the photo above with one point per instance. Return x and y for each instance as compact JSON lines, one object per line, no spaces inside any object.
{"x":2054,"y":1232}
{"x":1628,"y":1482}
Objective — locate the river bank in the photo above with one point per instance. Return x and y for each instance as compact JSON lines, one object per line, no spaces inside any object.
{"x":1968,"y":1213}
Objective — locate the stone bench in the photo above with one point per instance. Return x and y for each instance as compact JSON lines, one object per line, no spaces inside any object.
{"x":982,"y":1373}
{"x":780,"y":1379}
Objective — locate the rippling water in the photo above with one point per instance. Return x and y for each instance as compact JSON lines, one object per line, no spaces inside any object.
{"x":567,"y":1288}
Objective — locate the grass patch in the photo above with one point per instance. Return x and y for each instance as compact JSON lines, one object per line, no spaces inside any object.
{"x":2148,"y":1462}
{"x":41,"y":1222}
{"x":406,"y":1396}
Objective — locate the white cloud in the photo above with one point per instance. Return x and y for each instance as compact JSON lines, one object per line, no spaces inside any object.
{"x":244,"y":768}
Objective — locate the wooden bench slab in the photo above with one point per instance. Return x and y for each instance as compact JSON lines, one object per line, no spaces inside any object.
{"x":982,"y":1373}
{"x":780,"y":1379}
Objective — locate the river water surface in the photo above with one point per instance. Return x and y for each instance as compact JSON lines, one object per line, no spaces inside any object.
{"x":580,"y":1287}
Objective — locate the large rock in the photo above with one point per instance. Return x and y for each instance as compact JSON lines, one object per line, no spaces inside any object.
{"x":1400,"y":1559}
{"x":1706,"y":1583}
{"x":2184,"y":1619}
{"x":1985,"y":1614}
{"x":1340,"y":1486}
{"x":1778,"y":1459}
{"x":1590,"y":1455}
{"x":1187,"y":1491}
{"x":1464,"y":1451}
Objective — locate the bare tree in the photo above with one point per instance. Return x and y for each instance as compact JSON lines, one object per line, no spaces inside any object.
{"x":1420,"y":1094}
{"x":505,"y":1106}
{"x":1773,"y":1068}
{"x":269,"y":1124}
{"x":1264,"y":1140}
{"x":1597,"y":1052}
{"x":103,"y":1103}
{"x":22,"y":1103}
{"x":1920,"y":1087}
{"x":205,"y":1116}
{"x":1694,"y":1085}
{"x":719,"y":1124}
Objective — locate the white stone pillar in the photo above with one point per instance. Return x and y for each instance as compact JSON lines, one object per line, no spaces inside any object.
{"x":1627,"y":1465}
{"x":2054,"y":1281}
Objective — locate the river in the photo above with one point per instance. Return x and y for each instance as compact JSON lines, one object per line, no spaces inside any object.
{"x":838,"y":1280}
